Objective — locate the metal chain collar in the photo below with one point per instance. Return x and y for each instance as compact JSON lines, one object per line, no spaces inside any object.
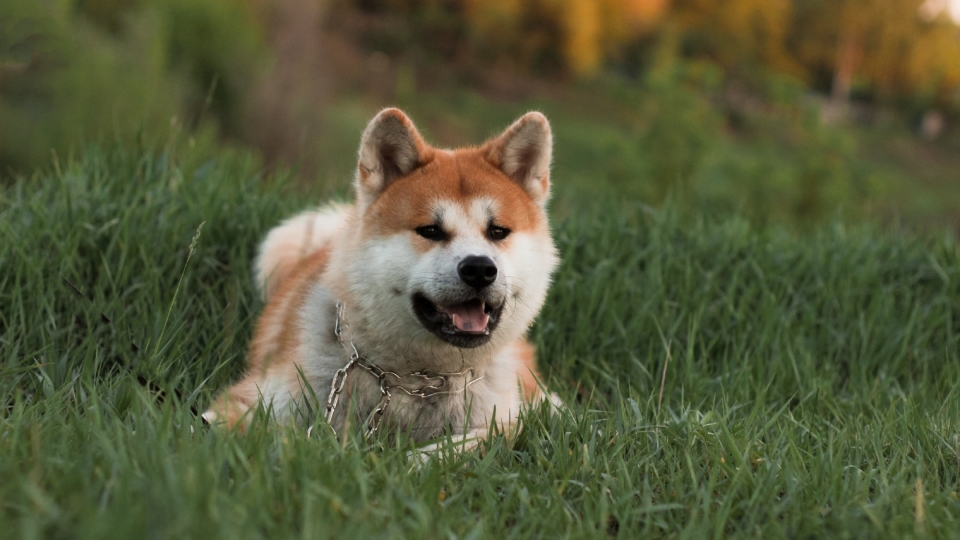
{"x":431,"y":383}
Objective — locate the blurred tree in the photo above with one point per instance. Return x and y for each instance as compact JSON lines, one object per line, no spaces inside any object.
{"x":68,"y":83}
{"x":581,"y":33}
{"x":108,"y":13}
{"x":222,"y":49}
{"x":288,"y":102}
{"x":934,"y":64}
{"x":738,"y":34}
{"x":72,"y":72}
{"x":680,"y":126}
{"x":885,"y":46}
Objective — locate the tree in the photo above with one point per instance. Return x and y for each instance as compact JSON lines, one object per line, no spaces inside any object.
{"x":886,"y":46}
{"x":738,"y":34}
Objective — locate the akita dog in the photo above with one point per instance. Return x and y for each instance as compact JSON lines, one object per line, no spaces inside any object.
{"x":408,"y":309}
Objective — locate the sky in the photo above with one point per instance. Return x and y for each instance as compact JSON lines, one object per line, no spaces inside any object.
{"x":932,"y":7}
{"x":954,"y":7}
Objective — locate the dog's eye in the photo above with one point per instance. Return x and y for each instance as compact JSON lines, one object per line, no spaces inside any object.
{"x":432,"y":232}
{"x":495,"y":232}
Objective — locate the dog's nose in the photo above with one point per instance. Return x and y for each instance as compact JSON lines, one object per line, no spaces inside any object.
{"x":477,"y":271}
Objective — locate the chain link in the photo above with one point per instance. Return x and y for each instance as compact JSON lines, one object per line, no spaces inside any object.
{"x":434,"y":382}
{"x":340,"y":377}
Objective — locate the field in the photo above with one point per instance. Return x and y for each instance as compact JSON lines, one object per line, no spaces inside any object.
{"x":724,"y":378}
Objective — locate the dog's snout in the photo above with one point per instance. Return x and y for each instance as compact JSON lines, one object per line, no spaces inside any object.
{"x":477,"y":271}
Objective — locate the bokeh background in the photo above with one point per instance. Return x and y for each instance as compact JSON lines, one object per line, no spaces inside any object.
{"x":787,"y":111}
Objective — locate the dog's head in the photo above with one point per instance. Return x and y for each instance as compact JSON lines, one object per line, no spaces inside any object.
{"x":454,"y":246}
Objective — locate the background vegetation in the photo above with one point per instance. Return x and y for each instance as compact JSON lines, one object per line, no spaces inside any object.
{"x":789,"y":110}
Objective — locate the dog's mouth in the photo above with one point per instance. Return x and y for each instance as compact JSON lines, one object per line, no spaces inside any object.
{"x":466,"y":324}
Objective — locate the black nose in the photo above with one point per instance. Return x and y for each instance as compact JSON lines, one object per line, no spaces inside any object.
{"x":477,"y":272}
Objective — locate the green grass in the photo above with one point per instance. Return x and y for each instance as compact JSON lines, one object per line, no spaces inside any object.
{"x":811,"y":383}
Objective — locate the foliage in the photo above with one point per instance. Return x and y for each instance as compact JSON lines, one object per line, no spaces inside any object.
{"x":109,"y":70}
{"x":695,"y":104}
{"x":809,"y":383}
{"x":894,"y":48}
{"x":714,"y":101}
{"x":539,"y":35}
{"x":680,"y":127}
{"x":738,"y":34}
{"x":890,"y":47}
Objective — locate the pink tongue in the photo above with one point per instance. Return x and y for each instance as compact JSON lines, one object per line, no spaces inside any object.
{"x":469,"y":317}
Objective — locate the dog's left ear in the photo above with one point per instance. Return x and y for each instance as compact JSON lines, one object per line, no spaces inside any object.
{"x":390,"y":148}
{"x":523,"y":152}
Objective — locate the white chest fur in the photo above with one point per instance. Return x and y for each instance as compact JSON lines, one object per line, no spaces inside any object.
{"x":414,"y":396}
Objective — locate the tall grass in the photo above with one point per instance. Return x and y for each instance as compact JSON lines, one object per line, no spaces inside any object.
{"x":722,"y":379}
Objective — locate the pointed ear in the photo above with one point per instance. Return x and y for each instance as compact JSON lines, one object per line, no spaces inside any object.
{"x":390,"y":148}
{"x":523,"y":152}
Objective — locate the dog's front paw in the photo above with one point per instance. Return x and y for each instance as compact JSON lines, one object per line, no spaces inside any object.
{"x":556,"y":403}
{"x":227,"y":413}
{"x":419,"y":457}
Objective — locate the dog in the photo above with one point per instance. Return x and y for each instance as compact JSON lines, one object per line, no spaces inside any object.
{"x":408,"y":309}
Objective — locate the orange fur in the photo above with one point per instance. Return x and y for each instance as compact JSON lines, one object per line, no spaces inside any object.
{"x":528,"y":375}
{"x":459,"y":175}
{"x":275,"y":341}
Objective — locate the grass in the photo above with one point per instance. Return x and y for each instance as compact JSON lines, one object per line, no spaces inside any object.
{"x":723,"y":380}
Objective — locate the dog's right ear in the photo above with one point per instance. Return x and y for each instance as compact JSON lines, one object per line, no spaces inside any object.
{"x":390,"y":148}
{"x":523,"y":152}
